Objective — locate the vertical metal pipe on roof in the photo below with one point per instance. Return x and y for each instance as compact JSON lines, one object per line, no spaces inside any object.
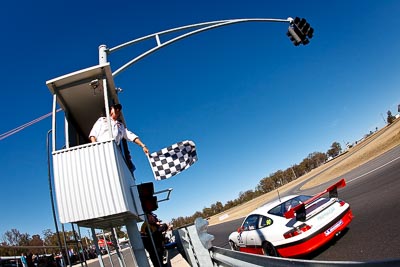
{"x":66,"y":131}
{"x":106,"y":107}
{"x":53,"y":122}
{"x":102,"y":54}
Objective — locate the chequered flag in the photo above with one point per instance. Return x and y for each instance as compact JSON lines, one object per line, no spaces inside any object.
{"x":172,"y":160}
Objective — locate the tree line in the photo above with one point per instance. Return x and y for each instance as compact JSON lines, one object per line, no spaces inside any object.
{"x":13,"y":242}
{"x":274,"y":180}
{"x":266,"y":184}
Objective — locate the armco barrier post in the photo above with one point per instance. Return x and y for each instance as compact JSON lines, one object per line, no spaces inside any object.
{"x":193,"y":242}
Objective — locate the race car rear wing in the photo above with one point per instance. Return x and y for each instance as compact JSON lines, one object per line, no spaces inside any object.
{"x":300,"y":210}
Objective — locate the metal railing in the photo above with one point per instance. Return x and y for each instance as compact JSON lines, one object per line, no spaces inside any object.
{"x":199,"y":252}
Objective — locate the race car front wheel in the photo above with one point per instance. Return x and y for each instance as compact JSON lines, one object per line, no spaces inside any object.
{"x":269,"y":249}
{"x":233,"y":245}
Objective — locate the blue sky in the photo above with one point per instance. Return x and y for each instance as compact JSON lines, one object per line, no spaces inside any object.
{"x":251,"y":101}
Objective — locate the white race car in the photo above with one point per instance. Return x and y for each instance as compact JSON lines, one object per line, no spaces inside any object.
{"x":294,"y":225}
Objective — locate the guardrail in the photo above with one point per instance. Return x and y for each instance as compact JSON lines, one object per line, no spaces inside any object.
{"x":194,"y":243}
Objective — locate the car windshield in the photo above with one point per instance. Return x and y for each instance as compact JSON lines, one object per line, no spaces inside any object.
{"x":280,"y":209}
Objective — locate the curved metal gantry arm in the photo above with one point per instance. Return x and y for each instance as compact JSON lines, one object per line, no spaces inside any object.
{"x":199,"y":27}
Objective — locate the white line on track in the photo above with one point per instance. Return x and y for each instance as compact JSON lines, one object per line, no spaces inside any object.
{"x":371,"y":171}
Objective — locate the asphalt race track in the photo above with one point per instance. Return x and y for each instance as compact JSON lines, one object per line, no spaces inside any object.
{"x":373,"y":192}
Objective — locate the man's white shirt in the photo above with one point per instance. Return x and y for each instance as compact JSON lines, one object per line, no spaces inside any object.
{"x":119,"y":131}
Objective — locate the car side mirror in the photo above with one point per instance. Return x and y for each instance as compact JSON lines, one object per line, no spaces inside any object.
{"x":240,"y":229}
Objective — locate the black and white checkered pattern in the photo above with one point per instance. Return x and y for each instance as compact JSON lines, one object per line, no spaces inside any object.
{"x":172,"y":160}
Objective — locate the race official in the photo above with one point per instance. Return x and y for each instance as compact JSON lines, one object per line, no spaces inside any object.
{"x":154,"y":228}
{"x":100,"y":130}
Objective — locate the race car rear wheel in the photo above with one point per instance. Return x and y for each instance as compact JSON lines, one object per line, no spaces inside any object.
{"x":233,"y":245}
{"x":269,"y":249}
